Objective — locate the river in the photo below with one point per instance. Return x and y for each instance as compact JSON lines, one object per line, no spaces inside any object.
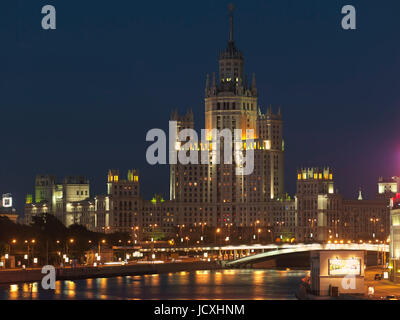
{"x":223,"y":284}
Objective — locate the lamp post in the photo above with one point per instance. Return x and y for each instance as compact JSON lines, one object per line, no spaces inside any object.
{"x":27,"y":253}
{"x":270,"y":232}
{"x":312,"y":221}
{"x":374,"y":220}
{"x":202,"y":224}
{"x":71,"y":241}
{"x":135,"y":237}
{"x":229,"y":229}
{"x":13,"y":241}
{"x":335,"y":223}
{"x":280,"y":223}
{"x":33,"y":241}
{"x":255,"y":229}
{"x":100,"y":242}
{"x":217,"y":231}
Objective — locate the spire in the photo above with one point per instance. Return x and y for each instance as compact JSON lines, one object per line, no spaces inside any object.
{"x":360,"y":194}
{"x":253,"y":81}
{"x":207,"y":84}
{"x":231,"y":8}
{"x":253,"y":84}
{"x":231,"y":51}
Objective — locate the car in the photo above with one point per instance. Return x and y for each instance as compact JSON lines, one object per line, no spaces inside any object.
{"x":391,"y":298}
{"x":378,"y":276}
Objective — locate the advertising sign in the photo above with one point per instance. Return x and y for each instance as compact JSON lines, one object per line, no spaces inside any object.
{"x":343,"y":267}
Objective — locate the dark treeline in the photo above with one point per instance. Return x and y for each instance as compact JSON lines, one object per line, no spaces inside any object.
{"x":48,"y":239}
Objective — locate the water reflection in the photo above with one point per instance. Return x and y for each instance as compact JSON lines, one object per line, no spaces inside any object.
{"x":224,"y":284}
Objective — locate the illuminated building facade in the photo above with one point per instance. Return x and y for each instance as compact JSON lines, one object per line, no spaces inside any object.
{"x":316,"y":203}
{"x":394,"y":264}
{"x":323,"y":215}
{"x":125,"y":203}
{"x":69,"y":200}
{"x":389,"y":187}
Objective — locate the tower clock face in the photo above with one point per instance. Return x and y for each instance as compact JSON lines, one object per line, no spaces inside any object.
{"x":7,"y":202}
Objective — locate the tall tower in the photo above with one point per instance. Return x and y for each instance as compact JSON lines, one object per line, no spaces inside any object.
{"x":231,"y":102}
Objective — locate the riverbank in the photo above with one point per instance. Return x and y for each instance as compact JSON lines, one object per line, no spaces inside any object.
{"x":383,"y":289}
{"x":34,"y":275}
{"x":302,"y":294}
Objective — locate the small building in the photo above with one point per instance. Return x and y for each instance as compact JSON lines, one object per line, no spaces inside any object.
{"x":340,"y":271}
{"x":7,"y":209}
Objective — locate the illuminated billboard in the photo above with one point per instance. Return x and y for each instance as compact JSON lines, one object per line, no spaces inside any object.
{"x":343,"y":267}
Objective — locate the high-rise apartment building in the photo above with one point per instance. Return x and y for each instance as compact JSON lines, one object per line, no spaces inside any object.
{"x":231,"y":102}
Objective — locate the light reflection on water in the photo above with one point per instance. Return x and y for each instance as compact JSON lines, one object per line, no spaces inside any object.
{"x":224,"y":284}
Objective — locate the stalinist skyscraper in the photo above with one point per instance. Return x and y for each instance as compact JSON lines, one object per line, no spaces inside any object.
{"x":231,"y":102}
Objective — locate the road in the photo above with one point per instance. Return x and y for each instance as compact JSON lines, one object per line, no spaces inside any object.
{"x":383,"y":288}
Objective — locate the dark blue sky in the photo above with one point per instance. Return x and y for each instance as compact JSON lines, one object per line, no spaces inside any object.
{"x":80,"y":99}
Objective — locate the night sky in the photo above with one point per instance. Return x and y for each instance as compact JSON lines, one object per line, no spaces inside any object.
{"x":80,"y":99}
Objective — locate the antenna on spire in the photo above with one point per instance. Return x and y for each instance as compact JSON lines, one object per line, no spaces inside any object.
{"x":231,"y":8}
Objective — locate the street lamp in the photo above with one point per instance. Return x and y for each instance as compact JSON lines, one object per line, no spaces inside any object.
{"x":134,"y":229}
{"x":335,"y":222}
{"x":27,"y":242}
{"x":312,"y":221}
{"x":374,"y":220}
{"x":280,"y":223}
{"x":13,"y":241}
{"x":202,"y":224}
{"x":216,"y":233}
{"x":270,"y":232}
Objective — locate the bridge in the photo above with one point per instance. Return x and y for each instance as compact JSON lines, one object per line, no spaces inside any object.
{"x":296,"y":248}
{"x":243,"y":254}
